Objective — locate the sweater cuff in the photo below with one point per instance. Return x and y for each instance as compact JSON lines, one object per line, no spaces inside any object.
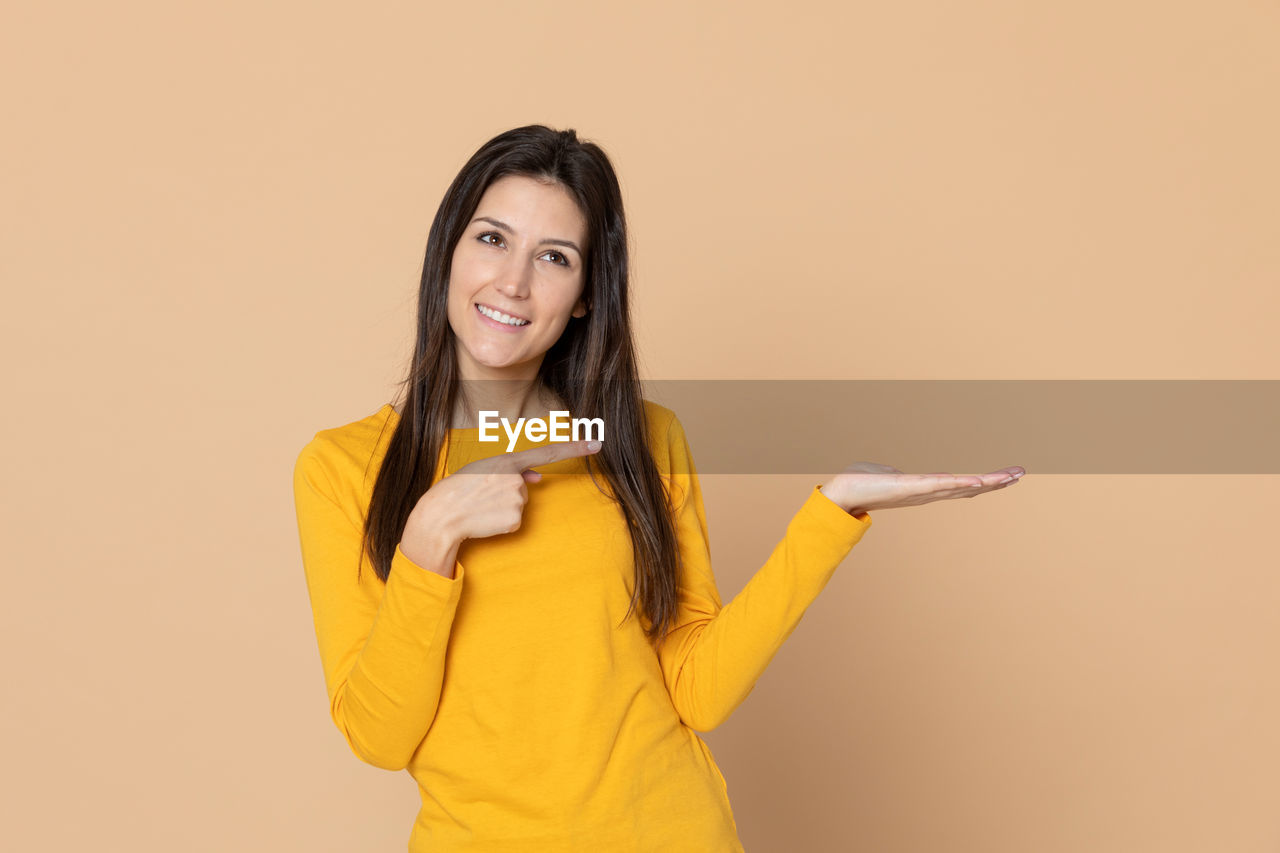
{"x":838,"y":524}
{"x":445,"y":590}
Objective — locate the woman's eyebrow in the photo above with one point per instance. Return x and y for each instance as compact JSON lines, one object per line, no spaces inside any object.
{"x":504,"y":226}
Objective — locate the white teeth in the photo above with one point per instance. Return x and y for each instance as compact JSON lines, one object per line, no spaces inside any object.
{"x":501,"y":318}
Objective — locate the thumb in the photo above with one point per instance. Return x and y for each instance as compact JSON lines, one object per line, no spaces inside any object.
{"x":531,"y":476}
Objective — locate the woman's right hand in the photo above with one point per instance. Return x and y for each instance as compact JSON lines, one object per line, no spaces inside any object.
{"x":484,"y":498}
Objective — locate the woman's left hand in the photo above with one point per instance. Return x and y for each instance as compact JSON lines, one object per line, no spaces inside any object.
{"x":865,"y":486}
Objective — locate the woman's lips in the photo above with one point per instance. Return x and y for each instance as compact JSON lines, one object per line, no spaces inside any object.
{"x":492,"y":323}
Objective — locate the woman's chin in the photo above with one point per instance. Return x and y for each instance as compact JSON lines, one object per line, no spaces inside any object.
{"x":516,"y":367}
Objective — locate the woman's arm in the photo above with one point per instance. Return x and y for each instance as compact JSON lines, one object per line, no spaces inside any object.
{"x":382,"y":646}
{"x":715,"y":655}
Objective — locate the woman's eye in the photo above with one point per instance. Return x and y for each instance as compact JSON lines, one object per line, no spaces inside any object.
{"x":562,"y":260}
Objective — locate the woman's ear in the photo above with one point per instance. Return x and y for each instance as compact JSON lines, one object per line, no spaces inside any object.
{"x":580,"y":309}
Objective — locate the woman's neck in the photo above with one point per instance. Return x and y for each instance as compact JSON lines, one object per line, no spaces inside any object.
{"x":511,"y":400}
{"x":511,"y":403}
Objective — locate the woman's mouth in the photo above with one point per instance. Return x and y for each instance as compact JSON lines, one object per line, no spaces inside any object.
{"x":499,"y":320}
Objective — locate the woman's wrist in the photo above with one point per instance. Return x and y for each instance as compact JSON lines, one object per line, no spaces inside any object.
{"x":434,"y":548}
{"x":832,"y":494}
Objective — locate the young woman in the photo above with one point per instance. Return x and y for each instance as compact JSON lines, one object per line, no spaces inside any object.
{"x":539,"y":647}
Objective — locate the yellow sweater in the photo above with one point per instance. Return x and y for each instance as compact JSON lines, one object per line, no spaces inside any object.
{"x":531,"y":716}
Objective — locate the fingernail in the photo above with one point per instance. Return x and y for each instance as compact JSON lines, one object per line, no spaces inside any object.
{"x":1019,"y":474}
{"x":1008,"y":480}
{"x":594,"y":445}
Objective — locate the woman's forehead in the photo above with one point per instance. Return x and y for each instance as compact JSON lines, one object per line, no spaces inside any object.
{"x":536,"y":209}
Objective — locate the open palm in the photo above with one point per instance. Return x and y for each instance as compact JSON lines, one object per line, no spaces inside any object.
{"x":865,"y":486}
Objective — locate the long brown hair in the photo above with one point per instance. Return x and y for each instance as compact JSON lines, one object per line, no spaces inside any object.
{"x":591,"y":368}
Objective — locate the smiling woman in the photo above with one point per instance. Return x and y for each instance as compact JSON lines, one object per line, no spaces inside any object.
{"x":511,"y":293}
{"x":475,"y":618}
{"x":577,"y":614}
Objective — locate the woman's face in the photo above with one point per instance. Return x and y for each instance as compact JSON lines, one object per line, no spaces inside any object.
{"x":521,"y":255}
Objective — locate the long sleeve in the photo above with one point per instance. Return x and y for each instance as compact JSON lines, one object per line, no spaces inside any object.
{"x":715,"y":655}
{"x":382,"y":646}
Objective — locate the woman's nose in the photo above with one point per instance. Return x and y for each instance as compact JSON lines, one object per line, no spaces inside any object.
{"x":514,"y":278}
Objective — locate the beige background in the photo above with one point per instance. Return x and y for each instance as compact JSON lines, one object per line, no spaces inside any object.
{"x":214,"y":223}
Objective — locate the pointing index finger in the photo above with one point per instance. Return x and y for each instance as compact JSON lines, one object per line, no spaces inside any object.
{"x":546,"y":454}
